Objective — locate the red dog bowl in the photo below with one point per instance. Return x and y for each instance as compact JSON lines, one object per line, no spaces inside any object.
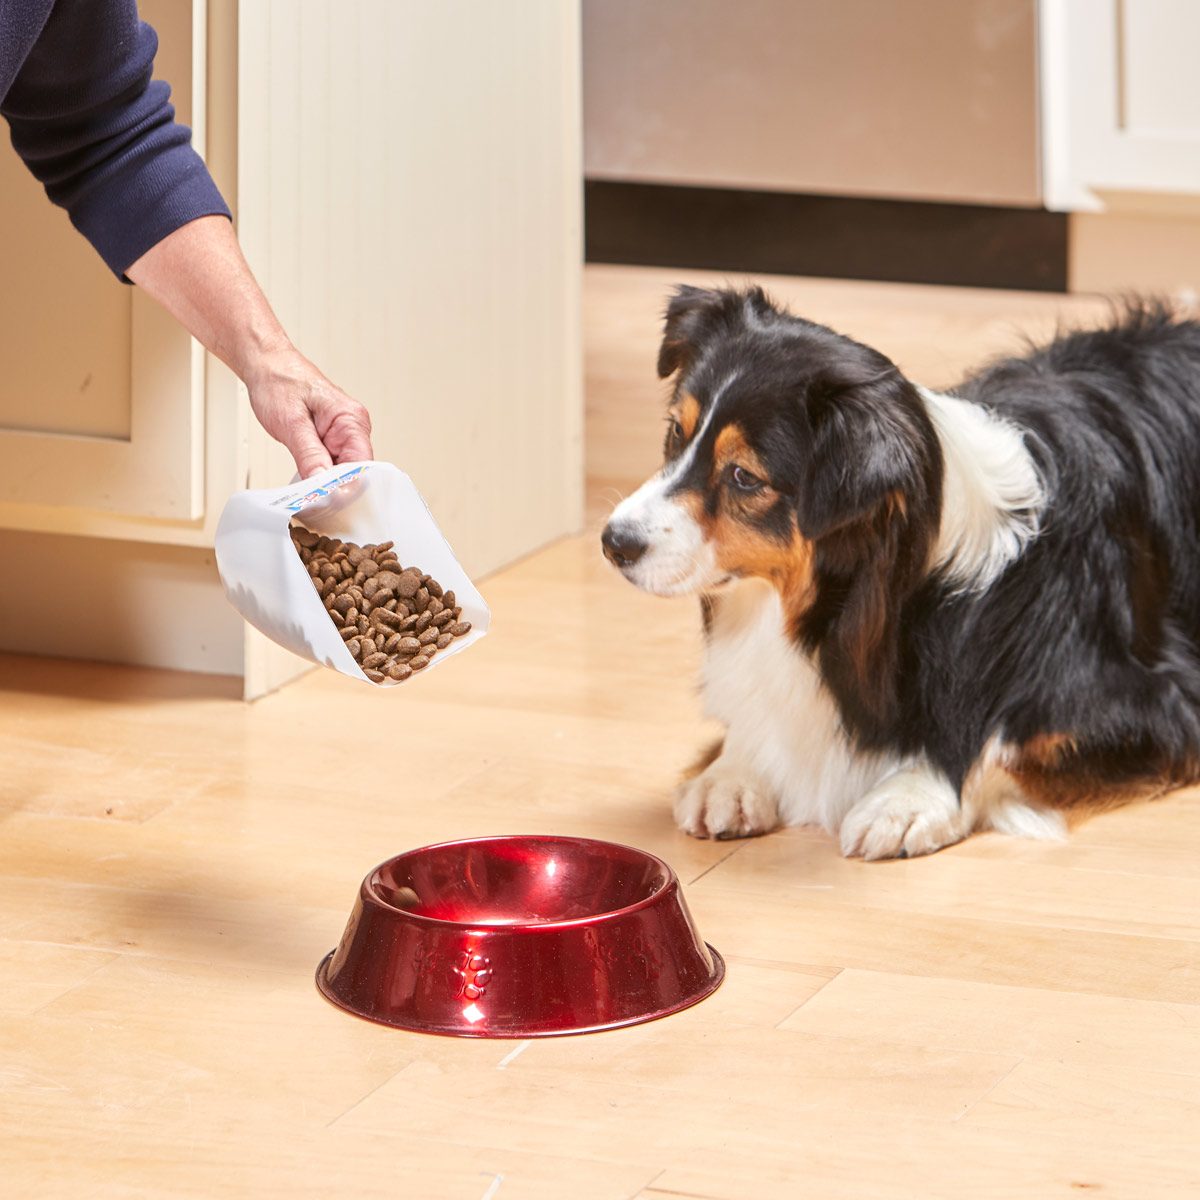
{"x":520,"y":937}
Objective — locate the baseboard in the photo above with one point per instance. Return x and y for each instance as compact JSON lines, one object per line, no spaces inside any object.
{"x":122,"y":602}
{"x":903,"y":241}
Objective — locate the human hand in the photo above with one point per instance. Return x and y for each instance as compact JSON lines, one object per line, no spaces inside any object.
{"x":299,"y":407}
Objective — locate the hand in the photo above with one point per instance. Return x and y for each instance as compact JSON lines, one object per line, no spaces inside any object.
{"x":198,"y":274}
{"x":299,"y":407}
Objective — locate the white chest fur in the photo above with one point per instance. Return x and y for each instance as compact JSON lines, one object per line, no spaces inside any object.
{"x":782,"y":725}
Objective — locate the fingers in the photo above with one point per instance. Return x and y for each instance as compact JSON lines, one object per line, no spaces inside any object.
{"x":306,"y":447}
{"x":357,"y":445}
{"x":346,"y":430}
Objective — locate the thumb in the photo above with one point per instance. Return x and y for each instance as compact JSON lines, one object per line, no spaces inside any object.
{"x":305,"y":446}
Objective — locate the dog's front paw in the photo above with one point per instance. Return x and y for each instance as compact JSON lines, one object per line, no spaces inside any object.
{"x":720,"y":803}
{"x":911,"y":813}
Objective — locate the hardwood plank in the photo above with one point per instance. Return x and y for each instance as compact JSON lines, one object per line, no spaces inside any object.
{"x":1076,"y":1097}
{"x":35,"y":974}
{"x":1064,"y":1027}
{"x":817,"y":931}
{"x":900,"y":1161}
{"x":627,"y":1089}
{"x":112,"y":1160}
{"x":1049,"y":888}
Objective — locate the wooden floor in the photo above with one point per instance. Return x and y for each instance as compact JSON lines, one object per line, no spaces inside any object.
{"x":1004,"y":1019}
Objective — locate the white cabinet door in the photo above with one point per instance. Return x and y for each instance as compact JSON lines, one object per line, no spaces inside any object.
{"x":102,"y":394}
{"x":1120,"y":103}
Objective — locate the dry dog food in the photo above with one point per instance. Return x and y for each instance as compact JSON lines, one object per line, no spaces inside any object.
{"x":393,"y":619}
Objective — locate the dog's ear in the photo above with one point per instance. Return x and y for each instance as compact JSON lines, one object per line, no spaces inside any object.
{"x":696,"y":314}
{"x":693,"y":314}
{"x":867,"y":445}
{"x":870,"y":502}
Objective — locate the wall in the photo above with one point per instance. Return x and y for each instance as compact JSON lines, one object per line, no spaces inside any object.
{"x":921,"y":99}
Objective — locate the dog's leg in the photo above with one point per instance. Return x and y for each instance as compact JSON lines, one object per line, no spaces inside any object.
{"x":725,"y":799}
{"x":914,"y":811}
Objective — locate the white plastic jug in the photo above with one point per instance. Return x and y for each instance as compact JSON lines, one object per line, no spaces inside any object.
{"x":365,"y":502}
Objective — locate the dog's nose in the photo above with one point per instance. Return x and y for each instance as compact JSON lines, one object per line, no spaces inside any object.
{"x":622,"y":547}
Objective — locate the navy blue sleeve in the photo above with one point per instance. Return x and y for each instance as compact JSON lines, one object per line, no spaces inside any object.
{"x":101,"y":137}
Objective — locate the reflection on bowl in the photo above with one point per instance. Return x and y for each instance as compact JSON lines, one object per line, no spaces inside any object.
{"x":520,"y":937}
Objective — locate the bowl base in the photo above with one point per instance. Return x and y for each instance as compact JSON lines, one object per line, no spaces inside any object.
{"x":515,"y":1033}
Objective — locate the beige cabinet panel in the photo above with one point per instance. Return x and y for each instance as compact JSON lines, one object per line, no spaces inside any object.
{"x":1157,"y":67}
{"x":65,"y":328}
{"x":101,"y":398}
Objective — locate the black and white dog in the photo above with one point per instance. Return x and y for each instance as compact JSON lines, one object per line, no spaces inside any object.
{"x":927,"y":614}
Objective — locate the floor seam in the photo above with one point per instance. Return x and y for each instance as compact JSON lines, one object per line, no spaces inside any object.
{"x":366,"y":1096}
{"x":713,"y":866}
{"x":784,"y":1021}
{"x":980,"y":1099}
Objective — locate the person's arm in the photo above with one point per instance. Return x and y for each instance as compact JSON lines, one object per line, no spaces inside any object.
{"x":198,"y":274}
{"x":100,"y":133}
{"x":101,"y":136}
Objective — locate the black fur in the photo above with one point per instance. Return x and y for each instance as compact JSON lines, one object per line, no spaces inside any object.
{"x":1093,"y":632}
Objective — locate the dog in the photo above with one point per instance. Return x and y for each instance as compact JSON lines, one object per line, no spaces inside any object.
{"x":927,"y":613}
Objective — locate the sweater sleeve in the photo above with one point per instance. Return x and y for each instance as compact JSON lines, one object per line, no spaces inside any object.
{"x":101,"y":136}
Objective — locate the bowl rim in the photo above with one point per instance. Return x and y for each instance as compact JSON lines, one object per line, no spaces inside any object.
{"x":670,"y":885}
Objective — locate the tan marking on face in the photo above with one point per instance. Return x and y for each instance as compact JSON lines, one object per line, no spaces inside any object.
{"x":732,"y":449}
{"x":739,"y":547}
{"x":686,"y":410}
{"x":742,"y":550}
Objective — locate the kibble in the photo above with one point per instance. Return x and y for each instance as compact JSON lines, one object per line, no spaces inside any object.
{"x":393,"y":618}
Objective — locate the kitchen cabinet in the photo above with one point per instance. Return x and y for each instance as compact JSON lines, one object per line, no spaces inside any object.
{"x":406,"y":183}
{"x":1120,"y":105}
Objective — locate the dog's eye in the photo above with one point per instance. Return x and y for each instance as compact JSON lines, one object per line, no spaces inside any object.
{"x":744,"y":481}
{"x":675,"y":438}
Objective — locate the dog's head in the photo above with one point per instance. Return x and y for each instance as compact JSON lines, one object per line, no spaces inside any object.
{"x":792,"y":453}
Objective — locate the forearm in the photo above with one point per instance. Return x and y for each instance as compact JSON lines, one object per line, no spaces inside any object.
{"x":200,"y":276}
